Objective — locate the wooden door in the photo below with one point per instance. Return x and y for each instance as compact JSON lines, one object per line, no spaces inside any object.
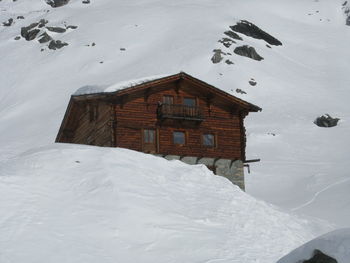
{"x":149,"y":140}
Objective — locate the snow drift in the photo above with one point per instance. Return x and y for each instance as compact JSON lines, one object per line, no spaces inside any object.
{"x":335,"y":244}
{"x":70,"y":203}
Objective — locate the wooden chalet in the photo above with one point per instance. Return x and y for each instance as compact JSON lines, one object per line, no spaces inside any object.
{"x":177,"y":117}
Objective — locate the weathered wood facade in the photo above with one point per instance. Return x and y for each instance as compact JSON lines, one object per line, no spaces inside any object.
{"x":177,"y":116}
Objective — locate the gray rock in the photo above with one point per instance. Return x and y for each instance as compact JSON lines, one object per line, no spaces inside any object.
{"x":44,"y":38}
{"x":216,"y":58}
{"x":326,"y":121}
{"x":228,"y":62}
{"x":57,"y":3}
{"x":72,"y":27}
{"x":25,"y":30}
{"x":248,"y":51}
{"x":227,"y":42}
{"x":86,"y":1}
{"x":56,"y":29}
{"x":57,"y":44}
{"x":232,"y":34}
{"x":20,"y":17}
{"x":241,"y":91}
{"x":17,"y":38}
{"x":252,"y":82}
{"x":8,"y":22}
{"x":31,"y":34}
{"x":42,"y":23}
{"x":251,"y":30}
{"x":320,"y":257}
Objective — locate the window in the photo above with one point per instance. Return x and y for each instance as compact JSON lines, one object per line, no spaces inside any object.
{"x":179,"y":138}
{"x":168,"y":99}
{"x":209,"y":140}
{"x":93,"y":112}
{"x":149,"y":136}
{"x":189,"y":102}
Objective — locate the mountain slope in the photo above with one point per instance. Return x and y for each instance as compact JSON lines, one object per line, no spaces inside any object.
{"x":303,"y":166}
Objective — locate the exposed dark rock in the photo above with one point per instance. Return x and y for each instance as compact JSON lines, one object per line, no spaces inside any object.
{"x":8,"y":22}
{"x":122,"y":49}
{"x":320,"y":257}
{"x":29,"y":34}
{"x":248,"y":51}
{"x":228,"y":62}
{"x":56,"y":29}
{"x":326,"y":121}
{"x":42,"y":23}
{"x":86,"y":1}
{"x":227,"y":42}
{"x":251,"y":30}
{"x":57,"y":44}
{"x":93,"y":44}
{"x":57,"y":3}
{"x":25,"y":30}
{"x":20,"y":17}
{"x":252,"y":82}
{"x":344,"y":4}
{"x":216,"y":58}
{"x":241,"y":91}
{"x":72,"y":27}
{"x":44,"y":38}
{"x":17,"y":38}
{"x":232,"y":34}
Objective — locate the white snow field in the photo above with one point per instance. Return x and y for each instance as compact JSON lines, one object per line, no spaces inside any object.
{"x":71,"y":203}
{"x":334,"y":244}
{"x":303,"y":169}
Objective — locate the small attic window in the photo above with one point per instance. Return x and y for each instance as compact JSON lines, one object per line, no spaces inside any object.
{"x":93,"y":112}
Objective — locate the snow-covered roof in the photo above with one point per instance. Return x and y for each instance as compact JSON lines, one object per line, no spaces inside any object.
{"x":94,"y":89}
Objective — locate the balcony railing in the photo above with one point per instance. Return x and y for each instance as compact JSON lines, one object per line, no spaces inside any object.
{"x":178,"y":111}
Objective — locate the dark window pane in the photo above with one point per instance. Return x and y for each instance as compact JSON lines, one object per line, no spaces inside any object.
{"x":189,"y":102}
{"x":148,"y":136}
{"x":209,"y":140}
{"x":168,"y":99}
{"x":179,"y":137}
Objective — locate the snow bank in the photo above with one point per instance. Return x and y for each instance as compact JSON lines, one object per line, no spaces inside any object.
{"x":91,"y":89}
{"x":335,"y":244}
{"x":72,"y":203}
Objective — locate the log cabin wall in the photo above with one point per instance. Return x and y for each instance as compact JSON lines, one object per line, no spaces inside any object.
{"x":138,"y":111}
{"x":94,"y":124}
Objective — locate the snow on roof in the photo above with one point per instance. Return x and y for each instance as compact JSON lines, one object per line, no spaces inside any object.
{"x":93,"y":89}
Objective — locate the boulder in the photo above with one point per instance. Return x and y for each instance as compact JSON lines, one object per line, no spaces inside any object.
{"x":232,"y":34}
{"x":57,"y":3}
{"x":248,"y":51}
{"x":251,"y":30}
{"x":42,"y":23}
{"x":8,"y":22}
{"x":227,"y":42}
{"x":326,"y":121}
{"x":56,"y":29}
{"x":216,"y":58}
{"x":57,"y":44}
{"x":25,"y":31}
{"x":44,"y":38}
{"x":320,"y":257}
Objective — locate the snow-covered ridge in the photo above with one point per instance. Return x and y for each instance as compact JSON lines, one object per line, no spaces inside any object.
{"x":335,"y":244}
{"x":84,"y":204}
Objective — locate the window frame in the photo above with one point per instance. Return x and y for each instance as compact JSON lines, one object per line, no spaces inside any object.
{"x":189,"y":98}
{"x":145,"y":139}
{"x":214,"y":140}
{"x":171,"y":97}
{"x":185,"y":137}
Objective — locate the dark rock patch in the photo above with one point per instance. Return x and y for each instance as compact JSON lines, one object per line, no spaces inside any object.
{"x":42,"y":23}
{"x":228,"y":62}
{"x":248,"y":51}
{"x":25,"y":30}
{"x":44,"y":38}
{"x":20,"y":17}
{"x":57,"y":3}
{"x":241,"y":91}
{"x":57,"y":44}
{"x":233,"y":35}
{"x":86,"y":1}
{"x":56,"y":29}
{"x":29,"y":34}
{"x":251,"y":30}
{"x":216,"y":58}
{"x":17,"y":38}
{"x":326,"y":121}
{"x":320,"y":257}
{"x":227,"y":42}
{"x":252,"y":82}
{"x":8,"y":22}
{"x":72,"y":27}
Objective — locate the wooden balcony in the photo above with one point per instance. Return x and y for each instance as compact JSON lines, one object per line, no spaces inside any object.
{"x":179,"y":111}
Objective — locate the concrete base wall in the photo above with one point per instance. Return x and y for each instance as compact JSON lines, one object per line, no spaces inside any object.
{"x":232,"y":170}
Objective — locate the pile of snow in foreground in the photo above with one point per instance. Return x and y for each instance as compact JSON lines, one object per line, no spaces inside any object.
{"x":72,"y":203}
{"x":335,"y":244}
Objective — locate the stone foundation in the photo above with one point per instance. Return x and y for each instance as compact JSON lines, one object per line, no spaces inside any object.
{"x":231,"y":169}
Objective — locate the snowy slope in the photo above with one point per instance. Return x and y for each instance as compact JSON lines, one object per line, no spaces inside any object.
{"x":334,"y":244}
{"x":71,"y":203}
{"x":303,"y":167}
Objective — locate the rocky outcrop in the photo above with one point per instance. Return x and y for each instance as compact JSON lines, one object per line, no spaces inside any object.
{"x":8,"y":22}
{"x":320,"y":257}
{"x":44,"y":38}
{"x":251,"y":30}
{"x":248,"y":51}
{"x":232,"y":34}
{"x":56,"y":29}
{"x":57,"y":3}
{"x":57,"y":44}
{"x":216,"y":58}
{"x":326,"y":121}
